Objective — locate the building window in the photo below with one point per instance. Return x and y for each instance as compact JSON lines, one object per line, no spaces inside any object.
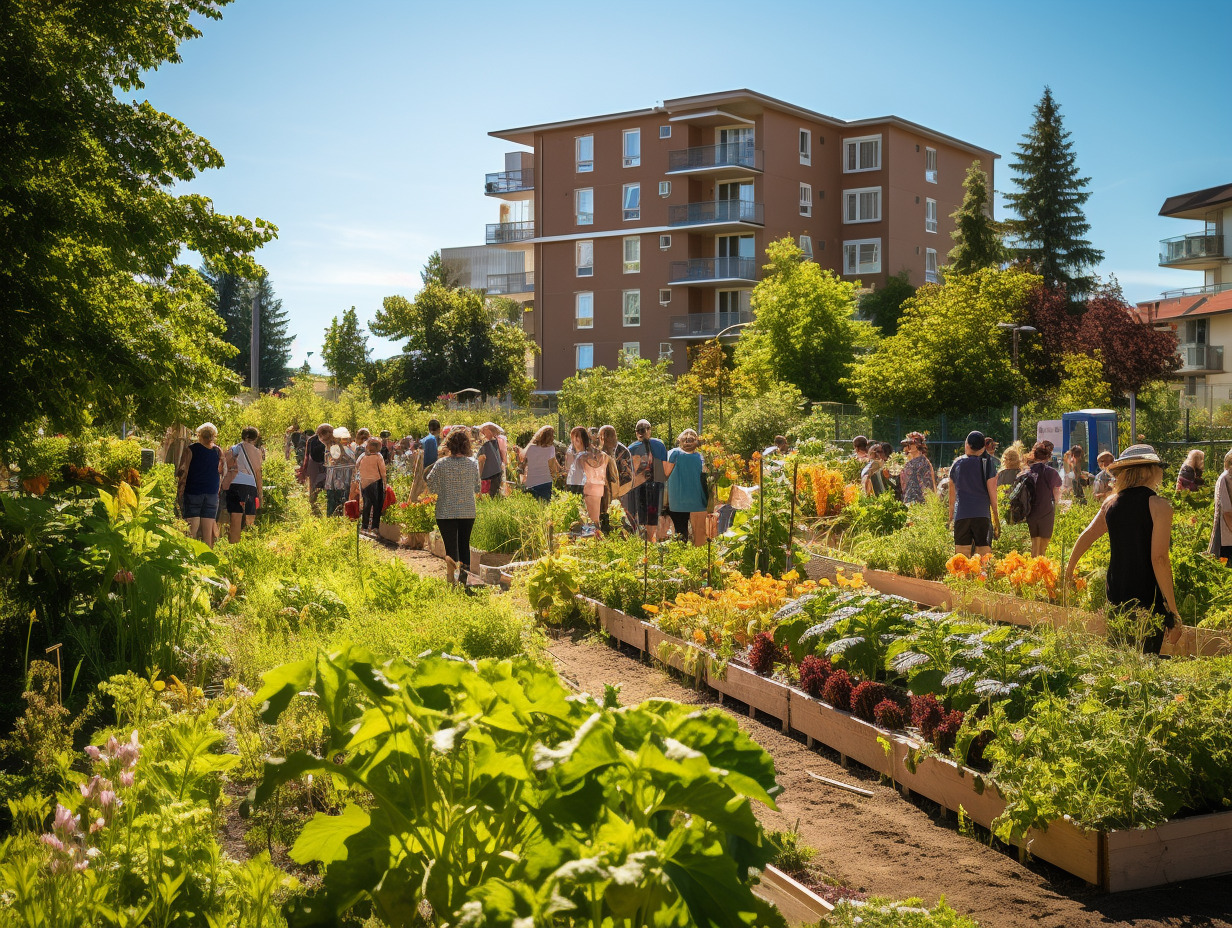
{"x":633,"y":254}
{"x":584,"y":356}
{"x":862,"y":154}
{"x":632,"y":147}
{"x":584,"y":206}
{"x":665,"y":242}
{"x":930,"y":215}
{"x":930,"y":165}
{"x":585,"y":145}
{"x":630,"y":352}
{"x":665,"y":297}
{"x":806,"y":246}
{"x":584,"y":311}
{"x":633,"y":201}
{"x":862,"y":256}
{"x":665,"y":351}
{"x":665,"y":132}
{"x":665,"y":188}
{"x":733,"y":305}
{"x":584,"y":258}
{"x":862,"y":205}
{"x":930,"y":266}
{"x":633,"y":307}
{"x":806,"y":147}
{"x":806,"y":200}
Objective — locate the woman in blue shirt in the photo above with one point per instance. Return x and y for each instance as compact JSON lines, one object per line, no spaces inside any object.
{"x":686,"y":487}
{"x":199,"y":474}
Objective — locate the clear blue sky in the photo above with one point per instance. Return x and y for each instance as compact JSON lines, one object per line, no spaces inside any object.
{"x":360,"y":128}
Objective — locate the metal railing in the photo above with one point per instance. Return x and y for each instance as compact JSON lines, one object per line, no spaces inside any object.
{"x":1195,"y":357}
{"x":503,"y":182}
{"x":932,"y":277}
{"x":501,"y":284}
{"x":1195,"y":291}
{"x":502,"y":233}
{"x":692,"y":214}
{"x":701,"y":269}
{"x":706,"y":325}
{"x":731,"y":154}
{"x":1188,"y":247}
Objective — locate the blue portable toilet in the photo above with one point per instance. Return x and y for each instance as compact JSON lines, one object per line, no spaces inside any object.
{"x":1093,"y":430}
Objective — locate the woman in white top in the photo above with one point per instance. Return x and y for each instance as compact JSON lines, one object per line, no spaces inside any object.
{"x":541,"y":465}
{"x":1221,"y":531}
{"x":579,"y":442}
{"x":244,"y":490}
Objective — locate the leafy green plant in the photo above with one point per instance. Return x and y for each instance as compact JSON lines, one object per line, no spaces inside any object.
{"x":879,"y":912}
{"x":513,"y":525}
{"x":759,"y":537}
{"x":552,"y":585}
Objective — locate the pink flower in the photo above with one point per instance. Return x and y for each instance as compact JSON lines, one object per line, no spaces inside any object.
{"x":126,"y":778}
{"x":52,"y":842}
{"x":123,"y":576}
{"x":93,"y":752}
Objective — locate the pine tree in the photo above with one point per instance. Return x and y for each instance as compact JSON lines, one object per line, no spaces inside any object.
{"x":233,"y":302}
{"x":437,"y":271}
{"x":1051,"y":226}
{"x":977,"y":236}
{"x":345,"y":352}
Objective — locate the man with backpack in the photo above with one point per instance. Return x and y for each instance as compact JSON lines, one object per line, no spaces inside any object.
{"x":973,"y":500}
{"x":1035,"y":497}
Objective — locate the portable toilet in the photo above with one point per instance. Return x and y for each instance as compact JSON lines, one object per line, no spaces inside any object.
{"x":1092,"y":430}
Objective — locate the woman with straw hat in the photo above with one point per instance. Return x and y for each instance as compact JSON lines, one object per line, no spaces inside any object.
{"x":1138,"y":523}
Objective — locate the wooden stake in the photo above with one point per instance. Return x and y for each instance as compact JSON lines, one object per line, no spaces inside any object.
{"x":858,"y":790}
{"x":59,"y":672}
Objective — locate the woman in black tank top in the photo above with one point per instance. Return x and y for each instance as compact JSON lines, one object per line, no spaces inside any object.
{"x":1139,"y":527}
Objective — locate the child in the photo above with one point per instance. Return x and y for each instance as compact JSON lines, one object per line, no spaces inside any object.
{"x":1103,"y":480}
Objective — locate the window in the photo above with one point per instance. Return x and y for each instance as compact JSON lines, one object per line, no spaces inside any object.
{"x":806,"y":200}
{"x":862,"y":256}
{"x":584,"y":206}
{"x":665,"y":188}
{"x":584,"y":356}
{"x":585,"y":145}
{"x":633,"y":307}
{"x":584,"y":258}
{"x":665,"y":242}
{"x":631,"y":351}
{"x":584,"y":311}
{"x":862,"y":154}
{"x":633,"y":201}
{"x":633,"y":254}
{"x":665,"y":132}
{"x":930,"y":266}
{"x":733,"y":303}
{"x":930,"y":215}
{"x":806,"y":147}
{"x":665,"y":351}
{"x":633,"y":147}
{"x":665,"y":297}
{"x":930,"y":165}
{"x":806,"y":246}
{"x":862,"y":205}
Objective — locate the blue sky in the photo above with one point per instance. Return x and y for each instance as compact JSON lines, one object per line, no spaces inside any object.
{"x":360,"y":128}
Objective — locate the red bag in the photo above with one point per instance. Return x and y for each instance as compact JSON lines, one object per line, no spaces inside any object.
{"x":390,"y":497}
{"x":351,"y":507}
{"x":485,"y":487}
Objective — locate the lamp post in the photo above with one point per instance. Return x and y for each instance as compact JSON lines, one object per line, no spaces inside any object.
{"x":730,"y":328}
{"x":1014,"y":330}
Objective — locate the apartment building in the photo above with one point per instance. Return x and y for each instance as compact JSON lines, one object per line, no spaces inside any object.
{"x":647,"y":229}
{"x":1201,"y":316}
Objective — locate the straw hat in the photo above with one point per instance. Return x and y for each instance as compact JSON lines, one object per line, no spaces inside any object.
{"x":1135,"y":454}
{"x":343,"y":433}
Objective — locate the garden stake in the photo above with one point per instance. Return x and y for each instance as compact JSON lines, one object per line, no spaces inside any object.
{"x":791,"y":522}
{"x":761,"y":510}
{"x":866,"y":793}
{"x":709,"y":544}
{"x":645,"y":566}
{"x":59,"y":673}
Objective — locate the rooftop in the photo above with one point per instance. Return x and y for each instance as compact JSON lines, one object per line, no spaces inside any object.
{"x":1195,"y":205}
{"x":1186,"y":307}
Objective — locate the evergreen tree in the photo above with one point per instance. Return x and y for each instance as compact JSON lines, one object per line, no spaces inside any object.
{"x":1051,"y":226}
{"x":345,"y":352}
{"x":438,"y":272}
{"x":233,"y":302}
{"x":977,"y":236}
{"x":883,"y":307}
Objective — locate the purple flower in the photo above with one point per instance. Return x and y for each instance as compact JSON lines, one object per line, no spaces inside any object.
{"x":93,"y":752}
{"x":126,"y":778}
{"x":52,"y":842}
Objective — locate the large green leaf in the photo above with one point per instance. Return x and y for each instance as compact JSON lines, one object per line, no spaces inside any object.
{"x":324,"y":836}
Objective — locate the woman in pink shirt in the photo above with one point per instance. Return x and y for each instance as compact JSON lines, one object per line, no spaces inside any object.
{"x":371,"y":474}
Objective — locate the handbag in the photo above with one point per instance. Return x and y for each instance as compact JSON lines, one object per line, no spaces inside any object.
{"x":485,"y":487}
{"x":391,"y":498}
{"x":351,"y":508}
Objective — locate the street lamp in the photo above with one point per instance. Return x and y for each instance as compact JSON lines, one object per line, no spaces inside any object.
{"x":730,"y":328}
{"x":1015,"y":329}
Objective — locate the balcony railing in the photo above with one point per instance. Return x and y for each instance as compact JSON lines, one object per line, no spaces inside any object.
{"x":1208,"y":290}
{"x":706,"y":325}
{"x":504,"y":182}
{"x":1200,"y":357}
{"x":501,"y":284}
{"x":932,"y":277}
{"x":692,"y":214}
{"x":503,"y":233}
{"x":706,"y":157}
{"x":697,"y":270}
{"x":1189,"y":247}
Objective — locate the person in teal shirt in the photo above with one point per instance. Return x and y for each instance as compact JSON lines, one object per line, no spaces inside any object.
{"x":686,"y":487}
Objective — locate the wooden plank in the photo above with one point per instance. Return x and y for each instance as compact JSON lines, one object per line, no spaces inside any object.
{"x":757,"y":691}
{"x":623,"y":627}
{"x":1186,"y":849}
{"x":839,"y":731}
{"x":823,"y":567}
{"x":798,"y":904}
{"x":925,"y":592}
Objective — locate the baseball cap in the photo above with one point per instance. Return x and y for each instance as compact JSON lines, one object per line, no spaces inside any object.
{"x":975,"y":440}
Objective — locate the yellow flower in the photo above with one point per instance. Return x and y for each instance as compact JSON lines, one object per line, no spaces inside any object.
{"x":653,"y":610}
{"x":159,"y":686}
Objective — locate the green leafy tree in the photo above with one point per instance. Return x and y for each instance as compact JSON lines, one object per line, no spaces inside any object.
{"x":977,"y":236}
{"x":805,"y":318}
{"x":948,"y":356}
{"x":102,"y":324}
{"x":233,"y":302}
{"x":883,"y":307}
{"x":345,"y":352}
{"x":1051,"y":227}
{"x":1082,"y":382}
{"x":622,"y":395}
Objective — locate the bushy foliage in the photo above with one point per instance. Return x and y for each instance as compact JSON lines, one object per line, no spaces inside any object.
{"x":620,"y":396}
{"x":814,"y":671}
{"x":762,"y":654}
{"x":879,"y":912}
{"x":889,"y":714}
{"x":837,"y":690}
{"x":758,"y":419}
{"x":865,"y":697}
{"x":513,"y":525}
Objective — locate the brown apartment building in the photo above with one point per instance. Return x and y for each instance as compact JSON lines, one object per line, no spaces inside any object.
{"x":647,"y":229}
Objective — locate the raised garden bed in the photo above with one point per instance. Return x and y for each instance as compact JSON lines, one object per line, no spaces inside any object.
{"x":795,"y":901}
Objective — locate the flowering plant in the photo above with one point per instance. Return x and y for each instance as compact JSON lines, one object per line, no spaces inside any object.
{"x":419,"y":516}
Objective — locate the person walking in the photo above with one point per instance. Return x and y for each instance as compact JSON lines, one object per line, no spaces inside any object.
{"x":1102,"y":484}
{"x":314,"y":462}
{"x":372,"y":476}
{"x":872,"y":480}
{"x":1075,"y":478}
{"x":430,"y":443}
{"x":579,"y":444}
{"x":539,"y":456}
{"x":686,"y":488}
{"x":918,"y":475}
{"x":620,"y":473}
{"x":491,"y":459}
{"x":594,"y":465}
{"x":973,"y":500}
{"x":244,"y":461}
{"x":1189,"y":477}
{"x":1221,"y":529}
{"x":1045,"y":500}
{"x":454,"y":479}
{"x":1138,"y":523}
{"x":990,"y":453}
{"x":1011,"y":467}
{"x":649,"y":476}
{"x":859,"y":448}
{"x":199,"y":476}
{"x":339,"y":471}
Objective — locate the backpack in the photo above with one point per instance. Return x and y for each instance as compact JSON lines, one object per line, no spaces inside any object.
{"x":1022,"y":497}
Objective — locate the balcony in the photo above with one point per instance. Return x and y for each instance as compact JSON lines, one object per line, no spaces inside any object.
{"x":732,"y":213}
{"x":706,"y":325}
{"x":1196,"y":250}
{"x":707,"y":271}
{"x":731,"y":159}
{"x":1200,"y":357}
{"x":510,"y":185}
{"x":505,"y":284}
{"x":507,"y":233}
{"x":1208,"y":290}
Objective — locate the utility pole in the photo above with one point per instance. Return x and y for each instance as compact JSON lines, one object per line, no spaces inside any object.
{"x":254,"y":346}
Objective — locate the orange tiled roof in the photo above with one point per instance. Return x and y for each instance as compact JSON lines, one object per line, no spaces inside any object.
{"x":1186,"y":306}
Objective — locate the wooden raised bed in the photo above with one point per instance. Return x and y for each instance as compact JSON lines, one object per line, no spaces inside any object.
{"x":795,"y":901}
{"x":481,"y":559}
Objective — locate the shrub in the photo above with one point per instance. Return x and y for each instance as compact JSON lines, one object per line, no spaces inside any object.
{"x":762,"y":654}
{"x":865,"y":698}
{"x":889,"y":714}
{"x":837,"y":690}
{"x":813,"y":673}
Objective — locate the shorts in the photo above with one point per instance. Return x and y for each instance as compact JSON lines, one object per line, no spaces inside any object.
{"x":976,"y":532}
{"x":200,"y":506}
{"x":647,"y":502}
{"x":1042,"y":527}
{"x":242,"y":497}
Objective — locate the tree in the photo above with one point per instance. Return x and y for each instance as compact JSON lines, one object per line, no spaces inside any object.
{"x":883,"y":307}
{"x":345,"y":352}
{"x":1083,"y":385}
{"x":949,"y":355}
{"x":805,"y":316}
{"x":1051,"y":227}
{"x":233,"y":302}
{"x":622,"y":395}
{"x":91,"y":229}
{"x":1134,"y":353}
{"x":436,"y":271}
{"x":977,"y":236}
